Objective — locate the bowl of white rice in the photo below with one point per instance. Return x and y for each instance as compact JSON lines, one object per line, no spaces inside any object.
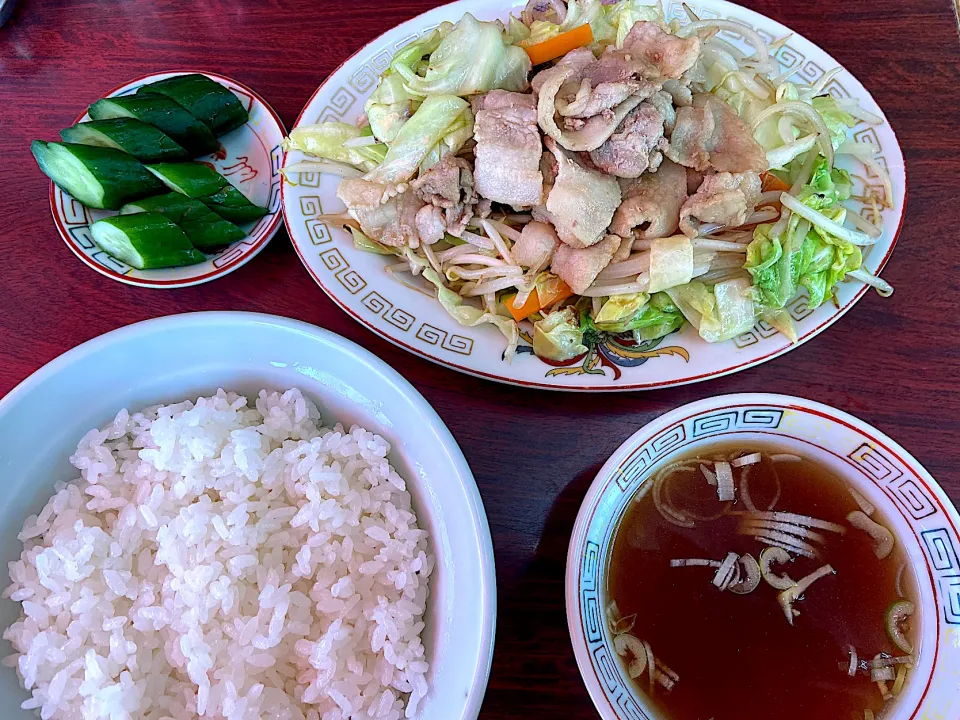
{"x":237,"y":516}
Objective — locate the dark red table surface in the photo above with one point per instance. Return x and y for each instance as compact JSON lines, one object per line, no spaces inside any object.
{"x":894,"y":362}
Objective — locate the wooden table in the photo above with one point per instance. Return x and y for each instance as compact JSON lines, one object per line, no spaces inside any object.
{"x":895,"y":363}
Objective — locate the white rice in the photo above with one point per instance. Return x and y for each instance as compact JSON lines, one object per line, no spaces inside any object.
{"x":225,"y":562}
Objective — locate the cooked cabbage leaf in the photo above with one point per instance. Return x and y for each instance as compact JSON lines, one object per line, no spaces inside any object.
{"x":326,"y":140}
{"x":363,"y":242}
{"x":437,"y":118}
{"x":649,"y":317}
{"x":719,"y":313}
{"x":389,"y":107}
{"x":818,"y":260}
{"x":837,"y":121}
{"x":830,"y":186}
{"x":625,"y":14}
{"x":470,"y":316}
{"x":658,"y":318}
{"x":472,"y":58}
{"x":516,"y":31}
{"x":671,"y":262}
{"x":454,"y":137}
{"x":558,"y":336}
{"x":618,"y":311}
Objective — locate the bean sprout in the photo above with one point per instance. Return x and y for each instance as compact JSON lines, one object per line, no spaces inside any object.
{"x":498,"y":241}
{"x":639,"y":285}
{"x":804,"y":112}
{"x":825,"y":223}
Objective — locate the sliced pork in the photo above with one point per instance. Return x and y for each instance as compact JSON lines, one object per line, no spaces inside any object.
{"x":582,"y":201}
{"x":430,"y":225}
{"x":651,"y":204}
{"x":669,"y":55}
{"x":636,"y":145}
{"x":648,"y":53}
{"x":709,"y":134}
{"x":449,"y":185}
{"x":507,"y":155}
{"x":579,"y":267}
{"x":574,"y":61}
{"x":536,"y":245}
{"x":722,"y":198}
{"x":590,"y":101}
{"x":392,"y":222}
{"x":664,"y":105}
{"x":561,"y":82}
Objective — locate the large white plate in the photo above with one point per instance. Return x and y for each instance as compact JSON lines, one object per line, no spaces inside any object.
{"x":356,"y":281}
{"x":184,"y":356}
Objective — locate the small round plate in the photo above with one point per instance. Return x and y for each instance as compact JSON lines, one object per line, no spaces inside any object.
{"x":356,"y":280}
{"x":919,"y":513}
{"x":249,"y":157}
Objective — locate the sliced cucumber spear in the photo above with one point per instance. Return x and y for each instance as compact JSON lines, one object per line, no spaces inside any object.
{"x":201,"y":182}
{"x":95,"y":176}
{"x":207,"y":100}
{"x":231,"y":204}
{"x":145,"y":241}
{"x":163,"y":113}
{"x":145,"y":142}
{"x":195,"y":180}
{"x":205,"y":229}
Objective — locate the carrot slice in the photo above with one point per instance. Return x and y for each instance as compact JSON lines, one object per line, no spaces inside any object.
{"x":553,"y":292}
{"x":772,"y":182}
{"x":560,"y":45}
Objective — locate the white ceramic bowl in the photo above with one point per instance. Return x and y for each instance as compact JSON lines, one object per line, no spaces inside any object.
{"x":185,"y":356}
{"x":922,"y":518}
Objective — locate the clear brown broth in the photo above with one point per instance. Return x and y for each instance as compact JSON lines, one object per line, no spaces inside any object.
{"x":737,"y":656}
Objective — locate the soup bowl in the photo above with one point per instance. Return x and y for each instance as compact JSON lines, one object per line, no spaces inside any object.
{"x":921,"y":517}
{"x":185,"y":356}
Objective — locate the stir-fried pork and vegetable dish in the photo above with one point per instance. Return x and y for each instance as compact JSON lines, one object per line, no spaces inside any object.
{"x":592,"y":168}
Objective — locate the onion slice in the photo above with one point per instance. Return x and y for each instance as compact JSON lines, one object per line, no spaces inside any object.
{"x":721,"y":578}
{"x":792,"y":594}
{"x":789,"y":528}
{"x":751,"y":459}
{"x":897,"y":613}
{"x":854,"y":661}
{"x":709,"y":474}
{"x":667,"y":512}
{"x":884,"y":691}
{"x":784,"y":540}
{"x":899,"y":582}
{"x":901,"y":677}
{"x":881,"y":536}
{"x":865,"y":505}
{"x":694,"y":562}
{"x":884,"y":673}
{"x":795,"y":519}
{"x":773,"y":542}
{"x":725,"y":489}
{"x":775,"y":556}
{"x":652,"y":664}
{"x":748,"y":498}
{"x":752,"y":580}
{"x":882,"y":661}
{"x":786,"y":457}
{"x":628,"y":645}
